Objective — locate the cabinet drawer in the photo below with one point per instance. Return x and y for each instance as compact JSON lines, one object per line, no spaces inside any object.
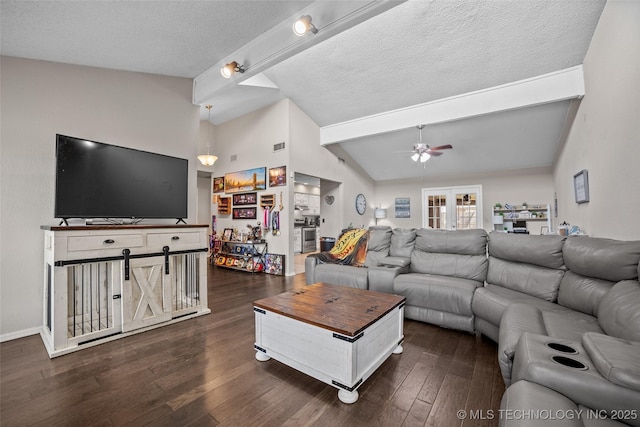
{"x":175,"y":241}
{"x":118,"y":241}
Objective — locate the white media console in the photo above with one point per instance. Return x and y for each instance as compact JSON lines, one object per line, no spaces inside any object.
{"x":106,"y":282}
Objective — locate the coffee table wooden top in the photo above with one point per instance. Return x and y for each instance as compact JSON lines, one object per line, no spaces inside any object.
{"x":340,"y":309}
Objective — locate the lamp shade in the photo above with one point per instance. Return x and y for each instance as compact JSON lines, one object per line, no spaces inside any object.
{"x":207,"y":159}
{"x":380,"y":213}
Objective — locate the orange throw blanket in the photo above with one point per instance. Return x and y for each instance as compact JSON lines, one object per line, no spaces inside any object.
{"x":350,"y":249}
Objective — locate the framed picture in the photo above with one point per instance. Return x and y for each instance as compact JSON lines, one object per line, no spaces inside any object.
{"x":278,"y":176}
{"x":227,"y":234}
{"x":274,"y":264}
{"x":244,"y":213}
{"x":247,"y":180}
{"x":581,"y":186}
{"x":403,"y":207}
{"x":245,"y":199}
{"x":218,"y":184}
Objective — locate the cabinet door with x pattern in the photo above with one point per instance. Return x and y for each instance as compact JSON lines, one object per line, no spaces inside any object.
{"x":146,"y":296}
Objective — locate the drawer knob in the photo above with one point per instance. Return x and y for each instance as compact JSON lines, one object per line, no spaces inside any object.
{"x":175,"y":238}
{"x":109,"y":242}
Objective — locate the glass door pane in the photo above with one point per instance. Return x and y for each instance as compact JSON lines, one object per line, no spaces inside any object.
{"x":466,"y":211}
{"x":437,"y":211}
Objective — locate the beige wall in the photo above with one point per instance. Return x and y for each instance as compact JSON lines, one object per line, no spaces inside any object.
{"x":40,"y":99}
{"x":605,"y":136}
{"x":533,"y":186}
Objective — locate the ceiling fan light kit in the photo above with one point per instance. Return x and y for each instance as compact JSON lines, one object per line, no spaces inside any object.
{"x":422,"y":152}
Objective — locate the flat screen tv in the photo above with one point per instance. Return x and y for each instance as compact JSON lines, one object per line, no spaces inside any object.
{"x":97,"y":180}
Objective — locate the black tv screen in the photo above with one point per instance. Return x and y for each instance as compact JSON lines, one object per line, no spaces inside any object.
{"x":97,"y":180}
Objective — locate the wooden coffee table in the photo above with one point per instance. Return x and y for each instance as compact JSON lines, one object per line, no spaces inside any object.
{"x":336,"y":334}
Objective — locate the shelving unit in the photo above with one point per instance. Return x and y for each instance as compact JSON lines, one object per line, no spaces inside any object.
{"x":267,"y":201}
{"x":511,"y":214}
{"x":242,"y":256}
{"x":224,"y":205}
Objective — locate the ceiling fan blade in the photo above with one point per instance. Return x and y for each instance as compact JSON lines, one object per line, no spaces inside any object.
{"x":434,"y":153}
{"x":441,"y":147}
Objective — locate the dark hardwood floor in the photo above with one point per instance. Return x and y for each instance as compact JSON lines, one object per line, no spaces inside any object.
{"x":203,"y":372}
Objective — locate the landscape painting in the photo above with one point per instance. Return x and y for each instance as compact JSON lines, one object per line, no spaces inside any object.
{"x":247,"y":180}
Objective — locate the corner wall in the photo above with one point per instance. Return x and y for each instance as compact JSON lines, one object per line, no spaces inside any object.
{"x":40,"y":99}
{"x":605,"y":136}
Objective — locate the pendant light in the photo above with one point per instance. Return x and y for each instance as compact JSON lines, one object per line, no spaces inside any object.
{"x":208,"y":159}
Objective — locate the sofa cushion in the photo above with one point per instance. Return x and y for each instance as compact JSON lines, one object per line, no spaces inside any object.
{"x":582,"y":293}
{"x":490,"y":302}
{"x":378,"y":245}
{"x":619,"y":311}
{"x":394,"y":261}
{"x":462,"y":242}
{"x":460,"y":254}
{"x":344,"y":275}
{"x":607,"y":259}
{"x":616,"y":359}
{"x":543,"y":251}
{"x":540,"y":282}
{"x":402,"y":242}
{"x":449,"y":294}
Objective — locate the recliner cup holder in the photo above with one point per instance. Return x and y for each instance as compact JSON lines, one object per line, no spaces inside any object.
{"x":563,"y":348}
{"x":567,"y":361}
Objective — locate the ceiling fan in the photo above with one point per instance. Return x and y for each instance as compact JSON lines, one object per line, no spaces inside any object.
{"x":422,"y":152}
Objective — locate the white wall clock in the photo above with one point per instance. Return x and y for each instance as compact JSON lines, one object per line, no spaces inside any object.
{"x":361,"y":203}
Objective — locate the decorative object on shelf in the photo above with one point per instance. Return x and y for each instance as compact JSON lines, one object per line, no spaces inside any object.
{"x":329,"y":199}
{"x":244,"y":256}
{"x":274,"y":264}
{"x":245,"y":199}
{"x":581,"y":186}
{"x":278,"y":176}
{"x":244,"y":213}
{"x":246,"y":180}
{"x":208,"y":159}
{"x":227,"y":234}
{"x":256,"y":232}
{"x":498,"y":206}
{"x":361,"y":204}
{"x":218,"y":184}
{"x":230,"y":69}
{"x":403,"y":207}
{"x":303,"y":26}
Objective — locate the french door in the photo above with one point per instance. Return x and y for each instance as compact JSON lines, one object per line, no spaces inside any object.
{"x":452,"y":208}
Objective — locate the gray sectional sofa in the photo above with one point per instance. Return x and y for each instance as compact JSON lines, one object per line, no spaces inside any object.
{"x":565,"y":312}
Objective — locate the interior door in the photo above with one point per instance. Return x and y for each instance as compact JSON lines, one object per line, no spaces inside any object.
{"x":146,"y":295}
{"x":452,"y":208}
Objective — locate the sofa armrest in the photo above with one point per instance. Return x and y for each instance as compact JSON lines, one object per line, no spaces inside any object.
{"x":381,"y":278}
{"x":310,"y":263}
{"x":617,"y":360}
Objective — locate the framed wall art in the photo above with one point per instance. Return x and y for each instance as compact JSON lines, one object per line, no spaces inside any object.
{"x":403,"y":207}
{"x":218,"y":184}
{"x":227,"y":234}
{"x":246,"y":180}
{"x":245,"y":199}
{"x":274,"y":264}
{"x":244,"y":213}
{"x":278,"y":176}
{"x":581,"y":186}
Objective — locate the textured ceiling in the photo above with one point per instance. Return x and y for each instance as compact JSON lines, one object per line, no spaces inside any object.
{"x":416,"y":52}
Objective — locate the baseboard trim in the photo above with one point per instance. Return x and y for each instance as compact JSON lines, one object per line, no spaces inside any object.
{"x":20,"y":334}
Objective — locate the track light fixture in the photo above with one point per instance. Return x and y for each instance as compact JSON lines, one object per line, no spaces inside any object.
{"x":303,"y":25}
{"x":232,"y":67}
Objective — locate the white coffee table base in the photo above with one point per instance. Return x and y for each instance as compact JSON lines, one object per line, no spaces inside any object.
{"x":341,"y":361}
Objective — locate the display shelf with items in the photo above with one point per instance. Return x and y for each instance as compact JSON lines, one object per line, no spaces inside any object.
{"x":514,"y":218}
{"x":267,"y":201}
{"x":224,"y":205}
{"x":244,"y":256}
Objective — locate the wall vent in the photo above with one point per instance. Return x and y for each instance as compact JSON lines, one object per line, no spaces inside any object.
{"x":234,"y":157}
{"x":279,"y":146}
